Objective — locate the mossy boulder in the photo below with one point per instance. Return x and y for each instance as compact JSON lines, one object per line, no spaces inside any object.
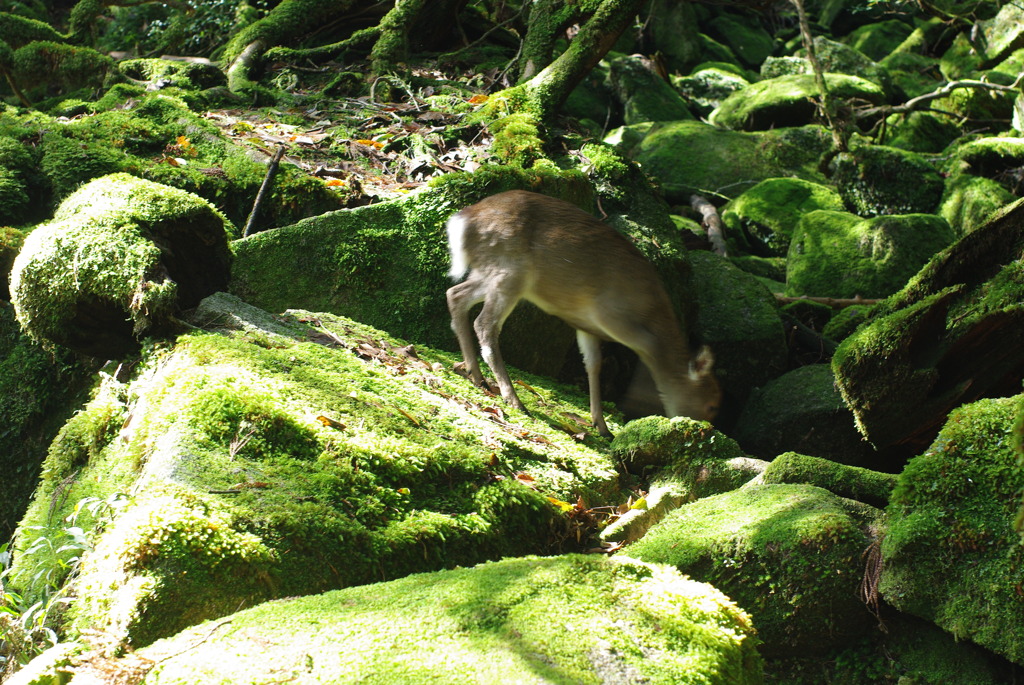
{"x":851,"y":482}
{"x":490,"y":623}
{"x":801,"y":411}
{"x":767,"y":214}
{"x":969,"y":201}
{"x":950,"y":554}
{"x":739,"y":319}
{"x":705,"y":88}
{"x":879,"y":38}
{"x":992,"y":157}
{"x":278,"y":456}
{"x":707,"y":460}
{"x":644,"y":95}
{"x":118,"y":262}
{"x":787,"y":101}
{"x":840,"y":58}
{"x":838,"y":254}
{"x":877,"y":179}
{"x":953,"y":335}
{"x":693,"y":157}
{"x":921,"y":132}
{"x":788,"y":554}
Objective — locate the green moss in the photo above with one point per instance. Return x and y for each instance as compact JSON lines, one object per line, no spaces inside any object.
{"x":39,"y":390}
{"x":951,"y":554}
{"x":517,"y":140}
{"x":272,"y":464}
{"x":68,"y":163}
{"x":838,"y":254}
{"x":783,"y":552}
{"x":187,"y":75}
{"x":491,"y":623}
{"x":767,"y":214}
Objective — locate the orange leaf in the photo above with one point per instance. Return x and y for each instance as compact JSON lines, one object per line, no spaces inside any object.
{"x":478,"y":99}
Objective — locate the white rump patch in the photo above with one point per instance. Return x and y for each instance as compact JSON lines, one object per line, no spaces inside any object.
{"x":456,"y":235}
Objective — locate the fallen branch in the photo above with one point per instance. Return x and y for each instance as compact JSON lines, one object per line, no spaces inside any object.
{"x":711,"y":222}
{"x":834,"y":302}
{"x":939,"y":92}
{"x":258,"y":202}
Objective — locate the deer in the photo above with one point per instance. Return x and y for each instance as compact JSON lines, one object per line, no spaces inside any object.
{"x":520,"y":245}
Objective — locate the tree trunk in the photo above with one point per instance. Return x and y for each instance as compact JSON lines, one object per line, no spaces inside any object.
{"x":548,"y":90}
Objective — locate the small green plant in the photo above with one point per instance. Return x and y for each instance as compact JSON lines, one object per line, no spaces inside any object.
{"x":48,"y":566}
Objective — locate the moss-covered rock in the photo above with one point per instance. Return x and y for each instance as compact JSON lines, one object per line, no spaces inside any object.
{"x":644,"y":95}
{"x":969,"y":201}
{"x":738,"y":318}
{"x":952,"y":335}
{"x":1003,"y":33}
{"x":950,"y":554}
{"x":490,"y":623}
{"x":120,"y":259}
{"x":801,"y":411}
{"x":838,"y":254}
{"x":704,"y":89}
{"x":921,"y":132}
{"x":788,"y":554}
{"x":289,"y":456}
{"x":877,"y":179}
{"x":852,"y":482}
{"x":768,"y":213}
{"x":44,"y":64}
{"x":709,"y":460}
{"x":40,"y":391}
{"x":991,"y":157}
{"x":744,"y":35}
{"x":879,"y":38}
{"x":788,"y":101}
{"x":692,"y":157}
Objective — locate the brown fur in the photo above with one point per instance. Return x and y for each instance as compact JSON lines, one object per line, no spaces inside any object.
{"x":522,"y":245}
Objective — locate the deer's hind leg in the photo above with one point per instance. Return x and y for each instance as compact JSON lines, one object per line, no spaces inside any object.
{"x":461,"y":299}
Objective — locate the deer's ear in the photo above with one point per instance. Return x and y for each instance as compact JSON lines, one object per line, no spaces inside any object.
{"x":701,"y":364}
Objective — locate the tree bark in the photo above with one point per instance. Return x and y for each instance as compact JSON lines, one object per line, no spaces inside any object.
{"x":548,"y":90}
